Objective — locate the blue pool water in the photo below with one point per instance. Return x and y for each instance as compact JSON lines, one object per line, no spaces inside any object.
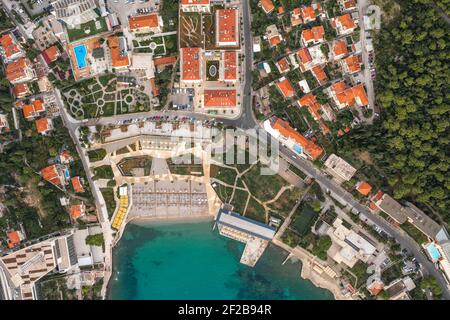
{"x":298,"y":149}
{"x":191,"y":261}
{"x":80,"y":54}
{"x":433,"y":252}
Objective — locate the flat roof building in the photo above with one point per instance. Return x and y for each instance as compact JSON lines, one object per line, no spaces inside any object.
{"x":254,"y":234}
{"x":339,"y":168}
{"x":75,"y":12}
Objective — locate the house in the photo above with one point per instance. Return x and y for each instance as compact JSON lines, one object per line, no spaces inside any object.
{"x":77,"y":211}
{"x":21,"y":90}
{"x":219,"y":98}
{"x":309,"y":57}
{"x":343,"y":24}
{"x":364,"y":188}
{"x":119,"y":54}
{"x":256,"y":44}
{"x":146,"y":23}
{"x":308,"y":14}
{"x":339,"y":49}
{"x":267,"y":6}
{"x":351,"y":64}
{"x":51,"y":54}
{"x":77,"y":185}
{"x":285,"y":87}
{"x":74,"y":12}
{"x":33,"y":110}
{"x":195,"y":5}
{"x":229,"y":63}
{"x":348,"y":246}
{"x":273,"y":35}
{"x":9,"y":49}
{"x":282,"y":131}
{"x":319,"y":74}
{"x":283,"y":65}
{"x":314,"y":35}
{"x":347,"y":5}
{"x":65,"y":157}
{"x":227,"y":27}
{"x":296,"y":17}
{"x":309,"y":101}
{"x":53,"y":175}
{"x":339,"y":168}
{"x":191,"y":62}
{"x":44,"y":125}
{"x":20,"y":71}
{"x":14,"y":238}
{"x":348,"y":97}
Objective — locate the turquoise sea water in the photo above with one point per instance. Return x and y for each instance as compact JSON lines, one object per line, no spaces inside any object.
{"x":191,"y":261}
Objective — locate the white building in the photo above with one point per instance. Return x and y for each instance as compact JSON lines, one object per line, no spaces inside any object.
{"x":75,"y":12}
{"x":339,"y":168}
{"x":195,"y":5}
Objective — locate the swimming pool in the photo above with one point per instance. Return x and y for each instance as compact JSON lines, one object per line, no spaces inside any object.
{"x":433,"y":252}
{"x":80,"y":53}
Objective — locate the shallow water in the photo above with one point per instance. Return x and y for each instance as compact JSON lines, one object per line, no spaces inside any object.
{"x":189,"y":260}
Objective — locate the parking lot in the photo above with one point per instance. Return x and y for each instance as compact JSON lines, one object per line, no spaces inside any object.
{"x":128,"y":8}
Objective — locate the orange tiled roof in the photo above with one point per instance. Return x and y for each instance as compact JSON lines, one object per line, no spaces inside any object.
{"x":349,"y":4}
{"x":375,"y":288}
{"x":38,"y":105}
{"x":313,"y":150}
{"x":340,"y":48}
{"x":267,"y":5}
{"x":227,"y":25}
{"x":76,"y":184}
{"x":50,"y":174}
{"x":220,"y":98}
{"x":21,"y":89}
{"x":230,"y":65}
{"x":304,"y":55}
{"x":319,"y":74}
{"x":145,"y":21}
{"x":42,"y":125}
{"x":190,"y":63}
{"x":324,"y":128}
{"x":155,"y":89}
{"x":346,"y":21}
{"x":118,"y":59}
{"x":308,"y":13}
{"x":280,"y":10}
{"x":283,"y":65}
{"x":364,"y":188}
{"x":275,"y":40}
{"x":16,"y":69}
{"x":165,"y":60}
{"x":52,"y":53}
{"x":360,"y":93}
{"x":353,"y":63}
{"x":351,"y":95}
{"x":13,"y":239}
{"x":9,"y":46}
{"x":76,"y":211}
{"x":286,"y":88}
{"x":28,"y":111}
{"x":315,"y":33}
{"x":310,"y":101}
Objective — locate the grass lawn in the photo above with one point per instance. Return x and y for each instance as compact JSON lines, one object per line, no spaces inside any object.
{"x":108,"y":195}
{"x":87,"y":29}
{"x":96,"y":155}
{"x":239,"y":200}
{"x":286,"y":201}
{"x":255,"y":211}
{"x":304,"y":218}
{"x":225,"y":175}
{"x":224,"y":193}
{"x":105,"y":79}
{"x":103,"y":172}
{"x":263,"y":187}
